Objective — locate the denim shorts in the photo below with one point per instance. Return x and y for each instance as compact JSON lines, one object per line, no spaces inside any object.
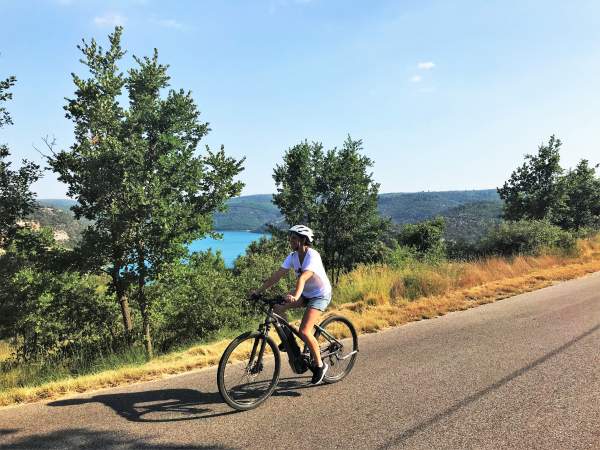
{"x":319,"y":303}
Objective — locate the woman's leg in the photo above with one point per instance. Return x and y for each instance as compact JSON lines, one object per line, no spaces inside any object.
{"x":311,"y":315}
{"x":281,"y":309}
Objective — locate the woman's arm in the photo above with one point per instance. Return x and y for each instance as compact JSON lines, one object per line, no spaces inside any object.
{"x":273,"y":279}
{"x":302,"y":279}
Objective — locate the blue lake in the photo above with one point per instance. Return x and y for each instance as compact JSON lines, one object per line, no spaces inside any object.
{"x":232,"y":245}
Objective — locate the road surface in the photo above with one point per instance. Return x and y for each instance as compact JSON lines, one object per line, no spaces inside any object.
{"x":520,"y":373}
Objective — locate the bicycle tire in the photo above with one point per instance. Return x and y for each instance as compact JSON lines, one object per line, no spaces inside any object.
{"x":341,"y":328}
{"x":242,"y":398}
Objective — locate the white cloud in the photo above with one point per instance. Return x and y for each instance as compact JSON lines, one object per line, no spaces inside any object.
{"x":426,"y":65}
{"x":169,"y":23}
{"x":416,"y":79}
{"x":109,"y":20}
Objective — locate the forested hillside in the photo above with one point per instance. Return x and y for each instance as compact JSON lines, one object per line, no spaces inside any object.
{"x":481,"y":209}
{"x":249,"y":212}
{"x":417,"y":206}
{"x":471,"y":221}
{"x":67,"y":230}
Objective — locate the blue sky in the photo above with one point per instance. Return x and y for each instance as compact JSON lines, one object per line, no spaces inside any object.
{"x":445,"y":94}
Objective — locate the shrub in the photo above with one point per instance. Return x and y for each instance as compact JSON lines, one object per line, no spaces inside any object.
{"x":193,"y":300}
{"x":49,"y":310}
{"x":426,"y":239}
{"x":400,"y":256}
{"x":532,"y":237}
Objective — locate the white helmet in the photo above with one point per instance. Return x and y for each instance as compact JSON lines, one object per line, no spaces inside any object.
{"x":303,"y":230}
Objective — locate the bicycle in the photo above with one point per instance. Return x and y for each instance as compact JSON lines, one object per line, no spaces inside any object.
{"x":249,"y":368}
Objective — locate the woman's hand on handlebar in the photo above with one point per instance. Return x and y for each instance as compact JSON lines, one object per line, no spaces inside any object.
{"x":255,"y":294}
{"x":289,"y":298}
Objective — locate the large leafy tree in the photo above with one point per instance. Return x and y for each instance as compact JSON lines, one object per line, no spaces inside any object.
{"x":540,"y":190}
{"x":580,"y":207}
{"x":135,"y":171}
{"x":533,"y":190}
{"x":16,"y":198}
{"x":334,"y":193}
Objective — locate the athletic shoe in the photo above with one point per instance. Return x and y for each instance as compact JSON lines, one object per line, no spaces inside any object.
{"x":319,"y":373}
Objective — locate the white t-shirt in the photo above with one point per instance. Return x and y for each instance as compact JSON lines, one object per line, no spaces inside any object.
{"x":316,"y":286}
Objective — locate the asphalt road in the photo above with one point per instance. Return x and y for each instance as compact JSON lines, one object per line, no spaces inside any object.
{"x":520,"y":373}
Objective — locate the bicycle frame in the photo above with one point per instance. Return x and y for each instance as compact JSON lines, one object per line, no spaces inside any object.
{"x":298,"y":360}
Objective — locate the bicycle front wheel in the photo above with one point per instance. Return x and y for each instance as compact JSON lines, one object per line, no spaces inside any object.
{"x":248,"y":371}
{"x":338,"y":342}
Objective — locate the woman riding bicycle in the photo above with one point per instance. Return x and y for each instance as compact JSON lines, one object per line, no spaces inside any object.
{"x":313,"y":290}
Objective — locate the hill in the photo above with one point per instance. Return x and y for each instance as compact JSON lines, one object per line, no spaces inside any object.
{"x":415,"y":207}
{"x":468,"y":213}
{"x":66,"y":229}
{"x":58,"y":203}
{"x":469,"y":222}
{"x":250,"y":212}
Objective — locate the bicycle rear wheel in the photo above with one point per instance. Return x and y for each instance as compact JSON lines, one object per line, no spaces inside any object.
{"x":248,"y":371}
{"x":338,"y":342}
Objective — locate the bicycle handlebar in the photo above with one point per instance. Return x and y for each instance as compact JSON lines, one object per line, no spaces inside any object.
{"x":278,"y":300}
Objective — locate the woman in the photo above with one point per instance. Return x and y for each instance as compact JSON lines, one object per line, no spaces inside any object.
{"x":313,"y":290}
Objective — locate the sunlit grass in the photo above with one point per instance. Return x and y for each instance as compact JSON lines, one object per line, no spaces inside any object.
{"x":6,"y":350}
{"x":373,"y":297}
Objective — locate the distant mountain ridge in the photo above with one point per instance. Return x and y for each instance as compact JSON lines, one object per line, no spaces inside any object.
{"x":252,"y":212}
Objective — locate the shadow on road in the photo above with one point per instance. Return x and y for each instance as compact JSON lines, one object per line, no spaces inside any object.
{"x":399,"y":440}
{"x":88,"y":439}
{"x":172,"y":405}
{"x":7,"y":431}
{"x":164,"y":405}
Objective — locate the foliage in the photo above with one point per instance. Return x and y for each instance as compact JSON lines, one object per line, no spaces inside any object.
{"x":262,"y":258}
{"x":530,"y":237}
{"x":6,"y":95}
{"x":399,"y":256}
{"x":538,"y":190}
{"x":333,"y":193}
{"x":48,"y":309}
{"x":533,"y":190}
{"x":134,"y":171}
{"x":426,"y":239}
{"x":580,"y":207}
{"x":16,"y":199}
{"x":195,"y":299}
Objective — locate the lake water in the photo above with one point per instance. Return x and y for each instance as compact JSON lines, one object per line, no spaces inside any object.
{"x":232,"y":245}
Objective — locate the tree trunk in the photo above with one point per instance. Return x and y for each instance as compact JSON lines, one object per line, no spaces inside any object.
{"x":127,"y":323}
{"x":147,"y":335}
{"x":123,"y":302}
{"x":143,"y":301}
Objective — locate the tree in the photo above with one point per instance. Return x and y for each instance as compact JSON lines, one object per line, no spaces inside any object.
{"x":135,"y":172}
{"x":333,"y":193}
{"x":48,"y":310}
{"x":538,"y":190}
{"x":296,"y":180}
{"x":580,"y":207}
{"x":533,"y":190}
{"x":16,"y":198}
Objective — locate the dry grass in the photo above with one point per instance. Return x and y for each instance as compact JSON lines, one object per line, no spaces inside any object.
{"x":5,"y":351}
{"x":373,"y":297}
{"x":379,"y":297}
